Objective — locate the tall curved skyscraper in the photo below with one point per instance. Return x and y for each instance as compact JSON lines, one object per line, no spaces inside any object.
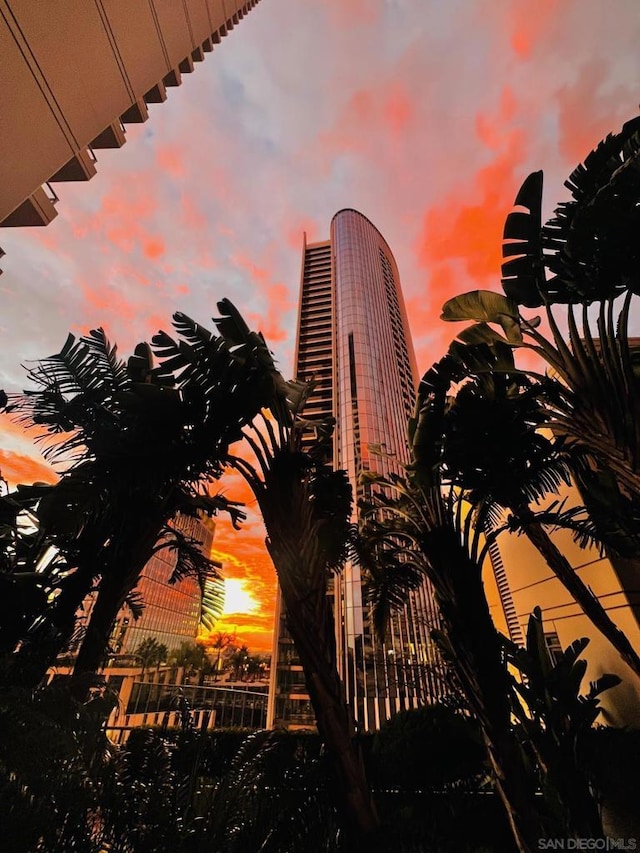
{"x":354,"y":342}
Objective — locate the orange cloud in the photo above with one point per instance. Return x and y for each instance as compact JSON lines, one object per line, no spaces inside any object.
{"x":459,"y":243}
{"x":276,"y":295}
{"x":279,"y":303}
{"x":529,"y":25}
{"x":154,"y":248}
{"x":130,"y":202}
{"x":126,"y":218}
{"x":17,"y":468}
{"x":466,"y":225}
{"x":360,"y":12}
{"x":169,"y":159}
{"x":193,"y":218}
{"x":104,"y":298}
{"x":431,"y":337}
{"x":397,"y":108}
{"x":258,"y":274}
{"x":303,"y":226}
{"x":489,"y":130}
{"x":233,"y":485}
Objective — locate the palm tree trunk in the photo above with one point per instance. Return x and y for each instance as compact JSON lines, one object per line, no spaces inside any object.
{"x":478,"y":660}
{"x":125,"y":562}
{"x":628,"y":571}
{"x":311,"y":625}
{"x":614,"y":516}
{"x":110,"y":598}
{"x":576,"y":793}
{"x":312,"y":631}
{"x":298,"y":537}
{"x":568,"y":577}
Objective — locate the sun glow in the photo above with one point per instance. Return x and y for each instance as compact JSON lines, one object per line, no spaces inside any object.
{"x":237,"y":598}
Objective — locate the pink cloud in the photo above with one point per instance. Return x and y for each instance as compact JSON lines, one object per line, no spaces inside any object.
{"x":360,"y":12}
{"x":586,"y":107}
{"x":303,"y":225}
{"x":528,"y":27}
{"x":170,"y":160}
{"x":371,"y":120}
{"x":154,"y":248}
{"x":398,"y":108}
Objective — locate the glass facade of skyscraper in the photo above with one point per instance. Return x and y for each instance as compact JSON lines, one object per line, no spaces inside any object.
{"x":354,"y":342}
{"x":171,"y":612}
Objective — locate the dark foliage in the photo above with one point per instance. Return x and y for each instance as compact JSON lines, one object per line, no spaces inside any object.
{"x":137,"y":443}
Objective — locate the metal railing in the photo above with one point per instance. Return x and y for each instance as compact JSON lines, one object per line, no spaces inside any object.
{"x":231,"y":706}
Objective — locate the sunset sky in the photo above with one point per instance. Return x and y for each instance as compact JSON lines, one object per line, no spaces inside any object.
{"x":425,"y":115}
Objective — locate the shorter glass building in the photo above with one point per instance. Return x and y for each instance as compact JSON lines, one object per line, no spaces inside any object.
{"x":172,"y":612}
